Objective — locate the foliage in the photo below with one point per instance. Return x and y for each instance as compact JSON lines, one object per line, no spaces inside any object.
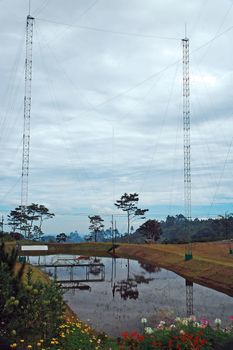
{"x":10,"y":284}
{"x":31,"y":310}
{"x":200,"y":230}
{"x":96,"y":226}
{"x":61,"y":237}
{"x":71,"y":335}
{"x":111,"y":234}
{"x":150,"y":229}
{"x":180,"y":334}
{"x":24,"y":219}
{"x":127,"y":203}
{"x":150,"y":268}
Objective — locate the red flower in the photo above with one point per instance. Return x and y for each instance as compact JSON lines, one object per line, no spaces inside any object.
{"x":134,"y":334}
{"x":170,"y":343}
{"x":125,"y":335}
{"x":140,"y":337}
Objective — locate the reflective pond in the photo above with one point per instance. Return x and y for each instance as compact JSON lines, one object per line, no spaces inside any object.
{"x":112,"y":295}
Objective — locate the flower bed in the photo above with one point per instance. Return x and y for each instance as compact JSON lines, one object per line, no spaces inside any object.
{"x":182,"y":333}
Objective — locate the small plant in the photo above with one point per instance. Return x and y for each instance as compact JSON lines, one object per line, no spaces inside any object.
{"x":183,"y":333}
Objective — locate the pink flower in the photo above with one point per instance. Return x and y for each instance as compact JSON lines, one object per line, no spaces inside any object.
{"x":231,"y":318}
{"x":202,"y":325}
{"x":205,"y":322}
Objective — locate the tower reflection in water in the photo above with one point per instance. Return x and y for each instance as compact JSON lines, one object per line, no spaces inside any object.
{"x":79,"y":273}
{"x":128,"y":288}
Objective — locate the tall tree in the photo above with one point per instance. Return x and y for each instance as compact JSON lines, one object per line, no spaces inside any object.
{"x":127,"y":203}
{"x":150,"y":229}
{"x":96,"y":225}
{"x":25,"y":221}
{"x":18,"y":220}
{"x":225,"y":221}
{"x":61,"y":237}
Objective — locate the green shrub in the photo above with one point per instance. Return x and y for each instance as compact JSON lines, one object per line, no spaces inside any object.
{"x":31,"y":310}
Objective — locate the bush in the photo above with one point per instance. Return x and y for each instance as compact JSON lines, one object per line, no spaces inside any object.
{"x":31,"y":310}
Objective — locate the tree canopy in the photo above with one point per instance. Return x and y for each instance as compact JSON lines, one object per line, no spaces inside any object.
{"x":96,"y":226}
{"x":127,"y":203}
{"x":61,"y":237}
{"x":29,"y":220}
{"x":151,"y":229}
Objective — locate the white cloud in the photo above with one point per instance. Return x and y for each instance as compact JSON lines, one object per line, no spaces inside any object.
{"x":107,"y":107}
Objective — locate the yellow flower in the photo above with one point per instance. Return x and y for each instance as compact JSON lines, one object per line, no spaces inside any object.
{"x":52,"y":342}
{"x":13,"y":345}
{"x":38,"y":344}
{"x":29,"y":346}
{"x":21,"y":340}
{"x":41,"y":340}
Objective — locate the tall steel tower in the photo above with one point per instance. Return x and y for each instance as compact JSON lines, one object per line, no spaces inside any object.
{"x":186,"y":133}
{"x":27,"y":112}
{"x":189,"y":297}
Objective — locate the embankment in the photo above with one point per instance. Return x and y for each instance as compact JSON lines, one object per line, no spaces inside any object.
{"x":211,"y":266}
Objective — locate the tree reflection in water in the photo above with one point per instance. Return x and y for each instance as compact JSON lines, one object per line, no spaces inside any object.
{"x":150,"y":268}
{"x":142,"y":279}
{"x":128,"y":288}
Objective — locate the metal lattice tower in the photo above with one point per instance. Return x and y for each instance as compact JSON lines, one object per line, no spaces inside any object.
{"x":186,"y":133}
{"x":27,"y":112}
{"x":189,"y":298}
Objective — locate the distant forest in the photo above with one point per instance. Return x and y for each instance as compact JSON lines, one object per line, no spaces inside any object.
{"x":177,"y":229}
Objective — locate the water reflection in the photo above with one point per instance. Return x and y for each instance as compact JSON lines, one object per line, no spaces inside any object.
{"x":150,"y":268}
{"x":71,"y":272}
{"x":128,"y":288}
{"x":130,"y":291}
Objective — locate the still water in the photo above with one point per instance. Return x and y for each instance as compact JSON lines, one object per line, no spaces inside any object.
{"x":115,"y":294}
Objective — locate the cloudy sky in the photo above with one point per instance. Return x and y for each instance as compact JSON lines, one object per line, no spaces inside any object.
{"x":106,"y":112}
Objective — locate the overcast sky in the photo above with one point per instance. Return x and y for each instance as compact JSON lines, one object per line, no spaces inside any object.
{"x":106,"y":113}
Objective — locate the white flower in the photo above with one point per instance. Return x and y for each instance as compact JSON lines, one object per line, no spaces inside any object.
{"x":172,"y":326}
{"x":177,"y":319}
{"x":144,"y":320}
{"x":162,"y":323}
{"x":218,"y":321}
{"x":185,"y":321}
{"x":148,"y":330}
{"x":182,"y":331}
{"x":192,"y":318}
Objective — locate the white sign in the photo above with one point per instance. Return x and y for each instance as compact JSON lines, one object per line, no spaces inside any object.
{"x":34,"y":247}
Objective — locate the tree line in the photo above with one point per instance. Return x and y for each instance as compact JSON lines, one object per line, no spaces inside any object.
{"x":27,"y":222}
